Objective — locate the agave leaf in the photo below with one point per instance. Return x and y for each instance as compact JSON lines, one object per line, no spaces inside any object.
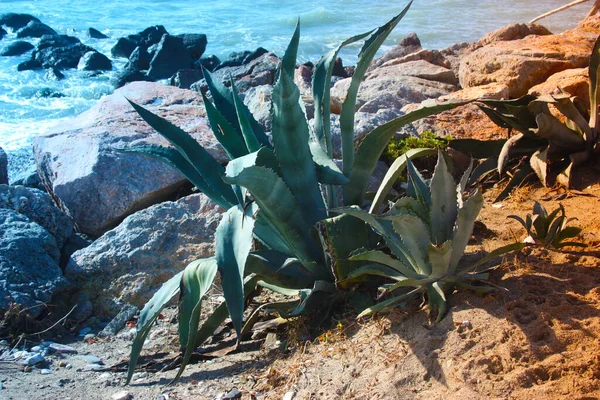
{"x":594,"y":71}
{"x":567,"y":233}
{"x":464,"y":182}
{"x":388,"y":304}
{"x":328,"y":172}
{"x":464,"y":228}
{"x":539,"y":164}
{"x":415,"y":235}
{"x":370,"y":149}
{"x":315,"y":298}
{"x":574,"y":244}
{"x":551,"y":129}
{"x":519,"y":219}
{"x":261,"y":158}
{"x":553,"y":230}
{"x":274,"y":268}
{"x":408,"y":205}
{"x":148,"y":315}
{"x":483,"y":169}
{"x":244,"y":122}
{"x":373,"y":269}
{"x":382,"y":258}
{"x":233,"y":240}
{"x":195,"y":282}
{"x":497,"y":252}
{"x":224,"y":132}
{"x":281,"y":307}
{"x":339,"y":245}
{"x":178,"y":161}
{"x":279,"y":210}
{"x":478,"y":149}
{"x":417,"y":187}
{"x":321,"y":89}
{"x":288,"y":63}
{"x":365,"y":56}
{"x":444,"y":204}
{"x":280,"y":289}
{"x":291,"y":138}
{"x":439,"y":257}
{"x":505,"y":120}
{"x":505,"y":152}
{"x":522,"y":174}
{"x":437,"y":300}
{"x":206,"y":165}
{"x":397,"y":167}
{"x":566,"y":106}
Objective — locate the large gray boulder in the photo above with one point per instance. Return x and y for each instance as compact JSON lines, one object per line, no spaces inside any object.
{"x":37,"y":206}
{"x":29,"y":271}
{"x":3,"y":167}
{"x":129,"y":263}
{"x":81,"y":163}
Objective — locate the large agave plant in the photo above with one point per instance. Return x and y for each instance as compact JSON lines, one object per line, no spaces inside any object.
{"x":273,"y":192}
{"x":427,"y":233}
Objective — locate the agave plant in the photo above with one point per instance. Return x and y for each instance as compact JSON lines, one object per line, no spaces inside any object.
{"x":549,"y":229}
{"x":554,"y":145}
{"x":273,"y":192}
{"x":427,"y":233}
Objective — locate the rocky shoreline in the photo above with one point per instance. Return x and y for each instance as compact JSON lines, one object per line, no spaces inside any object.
{"x":96,"y":229}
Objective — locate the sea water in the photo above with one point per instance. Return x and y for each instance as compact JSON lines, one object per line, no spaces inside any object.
{"x":230,"y":25}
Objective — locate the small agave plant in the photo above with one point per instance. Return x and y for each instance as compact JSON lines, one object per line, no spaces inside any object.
{"x":427,"y":233}
{"x":549,"y":230}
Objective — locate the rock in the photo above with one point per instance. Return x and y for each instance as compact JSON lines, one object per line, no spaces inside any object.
{"x":118,"y":322}
{"x":129,"y":75}
{"x":210,"y":63}
{"x":123,"y":395}
{"x":409,"y":44}
{"x":94,"y":61}
{"x":16,"y":21}
{"x":95,"y":34}
{"x":496,"y":91}
{"x":47,"y":93}
{"x":572,"y":81}
{"x":59,"y":51}
{"x":303,"y":79}
{"x":90,"y":359}
{"x":37,"y":206}
{"x":98,"y":185}
{"x":258,"y":101}
{"x":34,"y":360}
{"x":139,"y":59}
{"x":184,"y":78}
{"x":93,"y":367}
{"x":29,"y":65}
{"x":54,"y":74}
{"x":418,"y":69}
{"x":195,"y":44}
{"x":233,"y":394}
{"x":171,"y":56}
{"x":2,"y":32}
{"x":152,"y":35}
{"x":289,"y":396}
{"x":29,"y":178}
{"x":524,"y":63}
{"x":17,"y":48}
{"x":434,"y":57}
{"x":35,"y":29}
{"x":129,"y":263}
{"x":62,"y":349}
{"x":338,"y":69}
{"x":253,"y":70}
{"x":124,"y":47}
{"x":237,"y":59}
{"x":46,"y":371}
{"x":82,"y":312}
{"x":76,"y":241}
{"x":3,"y":167}
{"x":513,"y":32}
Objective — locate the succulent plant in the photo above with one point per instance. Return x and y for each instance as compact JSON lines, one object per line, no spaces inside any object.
{"x":549,"y":229}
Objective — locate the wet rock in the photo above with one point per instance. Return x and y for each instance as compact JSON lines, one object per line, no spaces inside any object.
{"x":58,"y":51}
{"x":47,"y":93}
{"x":210,"y":63}
{"x":195,"y":44}
{"x":237,"y":59}
{"x":152,"y":35}
{"x":2,"y":32}
{"x":29,"y":178}
{"x":54,"y":74}
{"x":129,"y":75}
{"x":95,"y":34}
{"x":124,"y":47}
{"x":80,"y":163}
{"x":139,"y":59}
{"x":35,"y":29}
{"x":17,"y":48}
{"x":129,"y":263}
{"x":94,"y":61}
{"x":184,"y":78}
{"x":3,"y":167}
{"x":16,"y":21}
{"x":170,"y":56}
{"x":146,"y":38}
{"x":38,"y":207}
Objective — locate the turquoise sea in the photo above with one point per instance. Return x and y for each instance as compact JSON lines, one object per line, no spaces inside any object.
{"x":231,"y":26}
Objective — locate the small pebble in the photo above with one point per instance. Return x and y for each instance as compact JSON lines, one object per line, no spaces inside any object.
{"x":90,"y":358}
{"x":89,"y":336}
{"x":93,"y":367}
{"x":62,"y":382}
{"x":68,"y":366}
{"x":124,"y":395}
{"x":289,"y":396}
{"x":33,"y":360}
{"x":467,"y":324}
{"x":27,"y":368}
{"x":140,"y":375}
{"x":233,"y":394}
{"x":62,"y":364}
{"x":37,"y":349}
{"x":46,"y":371}
{"x":62,"y":349}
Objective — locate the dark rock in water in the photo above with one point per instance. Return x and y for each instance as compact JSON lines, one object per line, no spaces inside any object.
{"x":241,"y":58}
{"x":96,"y":34}
{"x":200,"y":86}
{"x":94,"y":61}
{"x":17,"y":48}
{"x":127,"y":75}
{"x":195,"y":43}
{"x":16,"y":21}
{"x":254,"y":55}
{"x":3,"y":167}
{"x":57,"y":41}
{"x":152,"y":35}
{"x":61,"y":57}
{"x":152,"y":50}
{"x":184,"y":78}
{"x":210,"y":63}
{"x":252,"y":72}
{"x":38,"y":207}
{"x":338,"y":68}
{"x":2,"y":32}
{"x":48,"y":93}
{"x":29,"y":271}
{"x":28,"y":65}
{"x":139,"y":59}
{"x":124,"y":47}
{"x":54,"y":74}
{"x":171,"y":56}
{"x":35,"y":29}
{"x":29,"y":178}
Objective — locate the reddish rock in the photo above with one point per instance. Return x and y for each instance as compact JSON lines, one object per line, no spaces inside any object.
{"x":572,"y":81}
